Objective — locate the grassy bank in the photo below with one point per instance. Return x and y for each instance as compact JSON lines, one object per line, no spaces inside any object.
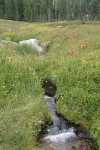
{"x":71,"y":59}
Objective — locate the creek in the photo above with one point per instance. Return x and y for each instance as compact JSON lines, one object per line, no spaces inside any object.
{"x":61,"y":134}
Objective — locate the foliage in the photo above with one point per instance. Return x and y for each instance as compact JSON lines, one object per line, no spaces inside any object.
{"x":49,"y":10}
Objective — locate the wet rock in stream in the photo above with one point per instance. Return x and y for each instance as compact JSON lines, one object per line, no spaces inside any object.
{"x":69,"y":144}
{"x":83,"y":144}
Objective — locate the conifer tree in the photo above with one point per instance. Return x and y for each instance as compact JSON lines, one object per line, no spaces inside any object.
{"x":34,"y":10}
{"x":14,"y":10}
{"x":7,"y":9}
{"x":20,"y":10}
{"x":49,"y":10}
{"x":27,"y":11}
{"x":2,"y":7}
{"x":1,"y":12}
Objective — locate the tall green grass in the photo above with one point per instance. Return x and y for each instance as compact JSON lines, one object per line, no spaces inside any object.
{"x":71,"y":60}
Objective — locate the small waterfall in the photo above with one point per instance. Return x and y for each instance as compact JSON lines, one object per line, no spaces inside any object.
{"x":59,"y":130}
{"x":50,"y":102}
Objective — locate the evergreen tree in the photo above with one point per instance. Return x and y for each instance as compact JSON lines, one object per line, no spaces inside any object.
{"x":14,"y":10}
{"x":7,"y":9}
{"x":49,"y":10}
{"x":34,"y":10}
{"x":20,"y":10}
{"x":62,"y":9}
{"x":1,"y":12}
{"x":1,"y":9}
{"x":27,"y":10}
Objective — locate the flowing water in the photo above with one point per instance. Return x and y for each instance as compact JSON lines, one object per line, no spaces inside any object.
{"x":60,"y":135}
{"x":59,"y":125}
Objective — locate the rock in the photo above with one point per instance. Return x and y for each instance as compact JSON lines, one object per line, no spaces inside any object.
{"x":59,"y":26}
{"x":8,"y":43}
{"x":82,"y":132}
{"x":34,"y":43}
{"x":83,"y":145}
{"x":73,"y":144}
{"x":46,"y":45}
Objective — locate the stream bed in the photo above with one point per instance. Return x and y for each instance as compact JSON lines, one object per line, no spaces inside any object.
{"x":61,"y":134}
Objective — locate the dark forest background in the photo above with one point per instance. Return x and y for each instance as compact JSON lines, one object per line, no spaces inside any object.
{"x":49,"y":10}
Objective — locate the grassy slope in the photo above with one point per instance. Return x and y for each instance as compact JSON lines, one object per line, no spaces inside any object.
{"x":72,"y":61}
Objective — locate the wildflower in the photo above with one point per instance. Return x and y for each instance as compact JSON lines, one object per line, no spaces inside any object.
{"x":70,"y":34}
{"x":3,"y":86}
{"x":84,"y":44}
{"x":73,"y":52}
{"x":84,"y":61}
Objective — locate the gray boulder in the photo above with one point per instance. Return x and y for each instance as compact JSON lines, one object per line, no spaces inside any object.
{"x":34,"y":43}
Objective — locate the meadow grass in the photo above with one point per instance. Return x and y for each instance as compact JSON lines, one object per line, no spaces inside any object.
{"x":71,"y":61}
